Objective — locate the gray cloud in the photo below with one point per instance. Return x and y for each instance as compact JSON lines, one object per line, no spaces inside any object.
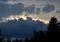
{"x":3,"y":0}
{"x":14,"y":7}
{"x":35,"y":0}
{"x":30,"y":9}
{"x":58,"y":11}
{"x":17,"y":8}
{"x":37,"y":10}
{"x":4,"y":9}
{"x":48,"y":8}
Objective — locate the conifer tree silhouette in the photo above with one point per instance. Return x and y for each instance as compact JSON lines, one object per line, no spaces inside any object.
{"x":52,"y":33}
{"x":52,"y":24}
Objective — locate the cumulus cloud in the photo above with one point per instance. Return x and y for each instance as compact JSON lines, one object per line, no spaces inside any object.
{"x":21,"y":27}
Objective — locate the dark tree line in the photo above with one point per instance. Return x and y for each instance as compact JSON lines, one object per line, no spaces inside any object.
{"x":51,"y":35}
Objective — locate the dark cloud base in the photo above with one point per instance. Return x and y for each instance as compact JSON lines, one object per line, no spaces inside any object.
{"x":21,"y":28}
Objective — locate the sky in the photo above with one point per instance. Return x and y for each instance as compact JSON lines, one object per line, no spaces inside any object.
{"x":20,"y":17}
{"x":36,"y":9}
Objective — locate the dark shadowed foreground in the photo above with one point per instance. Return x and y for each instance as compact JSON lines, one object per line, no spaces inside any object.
{"x":51,"y":35}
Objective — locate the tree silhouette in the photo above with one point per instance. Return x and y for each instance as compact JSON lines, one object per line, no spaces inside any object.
{"x":52,"y":24}
{"x":27,"y":40}
{"x":38,"y":36}
{"x":52,"y":33}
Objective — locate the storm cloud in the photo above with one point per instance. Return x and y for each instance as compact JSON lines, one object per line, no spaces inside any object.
{"x":21,"y":28}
